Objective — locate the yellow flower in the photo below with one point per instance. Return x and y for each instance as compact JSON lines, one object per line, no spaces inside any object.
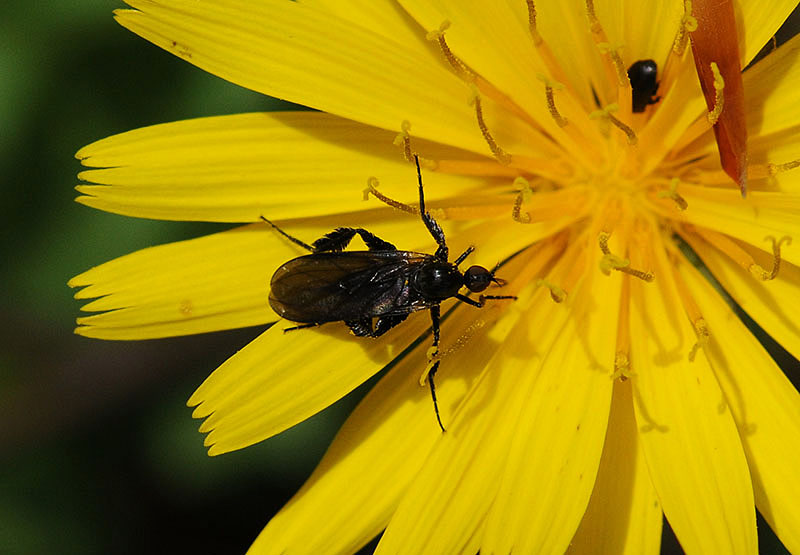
{"x":571,"y":424}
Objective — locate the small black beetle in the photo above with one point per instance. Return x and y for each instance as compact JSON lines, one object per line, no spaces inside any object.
{"x":642,"y":75}
{"x":381,"y":283}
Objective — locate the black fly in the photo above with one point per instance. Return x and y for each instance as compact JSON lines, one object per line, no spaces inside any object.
{"x":382,"y":283}
{"x":642,"y":75}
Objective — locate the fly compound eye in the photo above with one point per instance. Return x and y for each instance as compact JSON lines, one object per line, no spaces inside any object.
{"x":477,"y":278}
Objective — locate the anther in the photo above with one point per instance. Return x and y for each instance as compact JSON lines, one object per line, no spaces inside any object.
{"x":719,"y":97}
{"x":775,"y":169}
{"x":404,"y":138}
{"x":701,"y":329}
{"x":537,"y":38}
{"x":606,"y":115}
{"x":556,"y":293}
{"x":688,"y":24}
{"x":502,"y":156}
{"x":549,"y":87}
{"x":372,"y":188}
{"x":622,"y":367}
{"x":523,"y":195}
{"x":776,"y":255}
{"x":458,"y":66}
{"x":672,"y":193}
{"x":613,"y":262}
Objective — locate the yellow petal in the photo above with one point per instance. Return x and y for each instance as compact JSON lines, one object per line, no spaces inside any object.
{"x":358,"y":484}
{"x":687,"y":433}
{"x":624,"y":515}
{"x":447,"y":502}
{"x":280,"y":379}
{"x":765,"y":405}
{"x":751,"y":219}
{"x":759,"y":25}
{"x":212,"y":283}
{"x":385,"y":17}
{"x":771,"y":90}
{"x":298,"y":53}
{"x":551,"y":467}
{"x":238,"y":168}
{"x":771,"y":304}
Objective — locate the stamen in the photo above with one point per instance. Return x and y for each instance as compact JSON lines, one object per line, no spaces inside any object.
{"x":502,"y":156}
{"x":556,"y":293}
{"x":733,"y":251}
{"x":616,"y":59}
{"x":549,"y":87}
{"x":594,"y":23}
{"x":458,"y":66}
{"x":622,"y":361}
{"x":605,"y":115}
{"x":537,"y":38}
{"x":673,"y":194}
{"x":688,"y":24}
{"x":776,"y":254}
{"x":403,"y":138}
{"x":523,"y":195}
{"x":703,"y":335}
{"x":372,"y":187}
{"x":775,"y":169}
{"x":613,"y":262}
{"x":719,"y":98}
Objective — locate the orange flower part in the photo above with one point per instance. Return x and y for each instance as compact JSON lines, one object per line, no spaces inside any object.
{"x":715,"y":41}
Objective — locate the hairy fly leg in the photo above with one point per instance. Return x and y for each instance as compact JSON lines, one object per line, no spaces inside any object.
{"x":433,"y":362}
{"x":338,"y":239}
{"x":294,"y":240}
{"x":483,"y":298}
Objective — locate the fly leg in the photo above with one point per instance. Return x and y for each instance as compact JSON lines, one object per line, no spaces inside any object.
{"x":339,"y":238}
{"x":364,"y":328}
{"x":294,"y":240}
{"x":482,"y":299}
{"x":302,"y":327}
{"x":387,"y":322}
{"x":433,"y":363}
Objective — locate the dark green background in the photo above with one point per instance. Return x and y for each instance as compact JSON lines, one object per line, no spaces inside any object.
{"x":98,"y":453}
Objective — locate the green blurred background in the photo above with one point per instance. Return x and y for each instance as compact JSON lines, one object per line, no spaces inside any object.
{"x":98,"y":452}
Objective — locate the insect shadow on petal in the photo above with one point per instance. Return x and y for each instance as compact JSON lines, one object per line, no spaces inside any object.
{"x":372,"y":291}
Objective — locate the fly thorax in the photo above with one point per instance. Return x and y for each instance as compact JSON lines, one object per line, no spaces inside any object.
{"x":437,"y":280}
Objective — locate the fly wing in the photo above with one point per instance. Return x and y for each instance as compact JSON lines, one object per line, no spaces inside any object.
{"x":327,"y":287}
